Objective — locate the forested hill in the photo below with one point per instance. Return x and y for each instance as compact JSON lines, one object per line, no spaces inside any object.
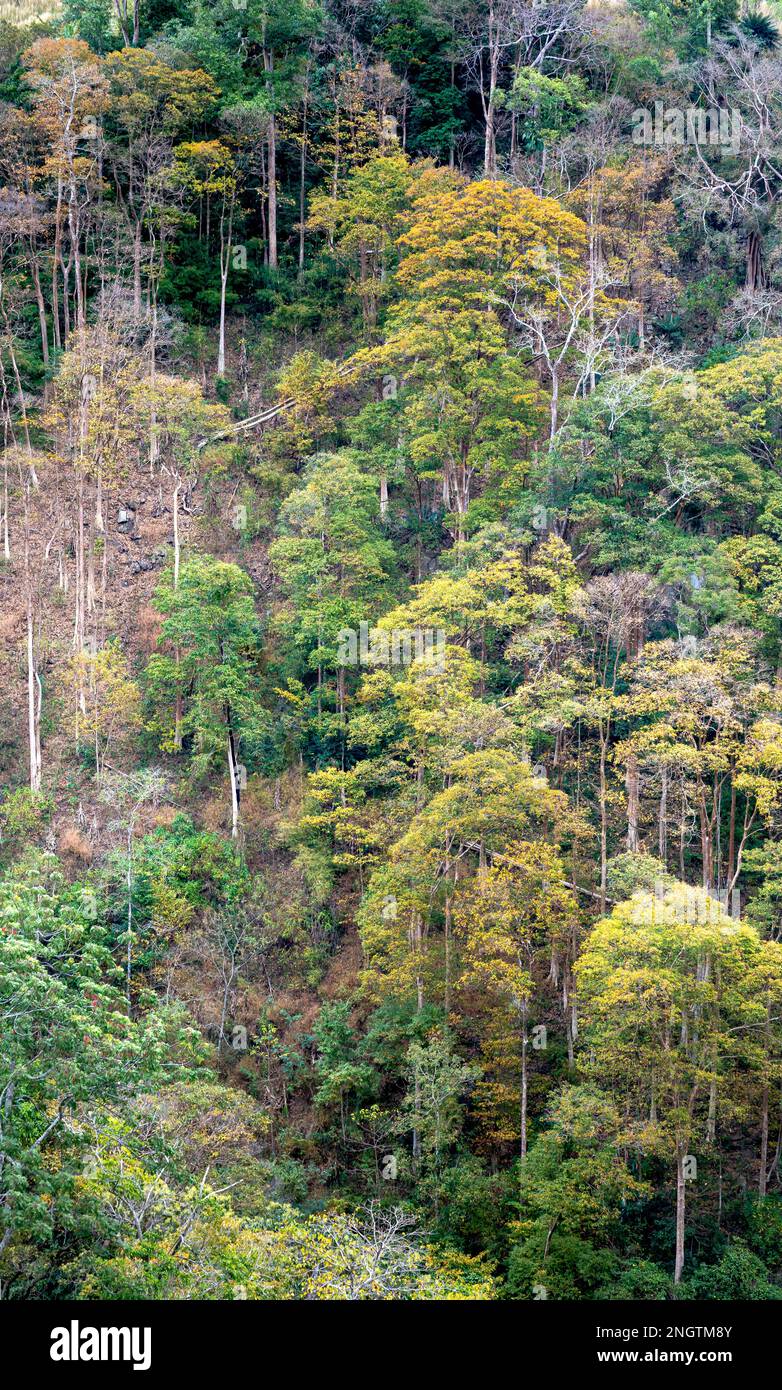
{"x":391,"y":531}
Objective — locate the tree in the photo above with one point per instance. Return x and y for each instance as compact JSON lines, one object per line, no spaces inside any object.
{"x":208,"y":171}
{"x":515,"y":919}
{"x":573,"y":1187}
{"x":150,"y":103}
{"x":491,"y":798}
{"x":93,"y":434}
{"x":235,"y":935}
{"x":280,"y":30}
{"x":505,"y":32}
{"x":25,"y":213}
{"x":67,"y":1045}
{"x":370,"y":1255}
{"x":364,"y":224}
{"x":631,"y":226}
{"x":113,"y":700}
{"x":469,"y":405}
{"x":705,"y":723}
{"x":128,"y":793}
{"x":70,"y":94}
{"x":339,"y":1069}
{"x":437,"y":1080}
{"x":742,"y":186}
{"x":334,"y":565}
{"x":209,"y":619}
{"x":664,"y":984}
{"x":178,"y":417}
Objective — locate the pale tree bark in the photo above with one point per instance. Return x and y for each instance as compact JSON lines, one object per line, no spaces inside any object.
{"x":763,"y":1165}
{"x":268,"y":63}
{"x":226,"y":241}
{"x":303,"y":164}
{"x":232,"y":775}
{"x":175,"y":509}
{"x":681,"y":1187}
{"x":524,"y":1081}
{"x":57,"y":266}
{"x":34,"y":688}
{"x":43,"y":325}
{"x":633,"y":803}
{"x":127,"y":12}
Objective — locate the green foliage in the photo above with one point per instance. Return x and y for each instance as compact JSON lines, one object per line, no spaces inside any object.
{"x":69,"y":1045}
{"x":23,"y":816}
{"x":457,"y":395}
{"x":738,"y":1276}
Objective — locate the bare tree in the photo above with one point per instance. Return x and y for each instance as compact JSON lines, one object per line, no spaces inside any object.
{"x":574,"y":320}
{"x":506,"y":35}
{"x":737,"y":179}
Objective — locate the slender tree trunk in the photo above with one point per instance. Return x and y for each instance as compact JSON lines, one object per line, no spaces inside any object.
{"x":33,"y":679}
{"x":232,"y":773}
{"x":268,"y":63}
{"x":44,"y":327}
{"x":631,"y":783}
{"x":524,"y":1084}
{"x":6,"y":518}
{"x":75,"y":240}
{"x":57,"y":267}
{"x":763,"y":1170}
{"x":226,"y":222}
{"x":175,"y":511}
{"x":755,"y":278}
{"x":732,"y":833}
{"x":130,"y":908}
{"x":711,"y":1119}
{"x":137,"y":269}
{"x":603,"y":799}
{"x":662,"y":839}
{"x":303,"y":167}
{"x":447,"y":925}
{"x":554,"y":406}
{"x":680,"y":1214}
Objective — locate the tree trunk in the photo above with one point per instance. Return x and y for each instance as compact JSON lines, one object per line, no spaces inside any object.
{"x":489,"y":152}
{"x":554,"y":407}
{"x":137,"y":269}
{"x":732,"y":834}
{"x":524,"y":1085}
{"x":41,"y":310}
{"x":57,"y":267}
{"x":175,"y":510}
{"x":631,"y":783}
{"x":129,"y":883}
{"x":680,"y":1214}
{"x":234,"y":788}
{"x":755,"y":272}
{"x":33,"y":679}
{"x":226,"y":242}
{"x":603,"y":824}
{"x":268,"y":63}
{"x":763,"y":1170}
{"x":303,"y":167}
{"x":763,"y":1173}
{"x":662,"y":836}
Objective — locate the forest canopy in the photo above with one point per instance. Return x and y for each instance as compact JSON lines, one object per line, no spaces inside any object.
{"x":391,"y":560}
